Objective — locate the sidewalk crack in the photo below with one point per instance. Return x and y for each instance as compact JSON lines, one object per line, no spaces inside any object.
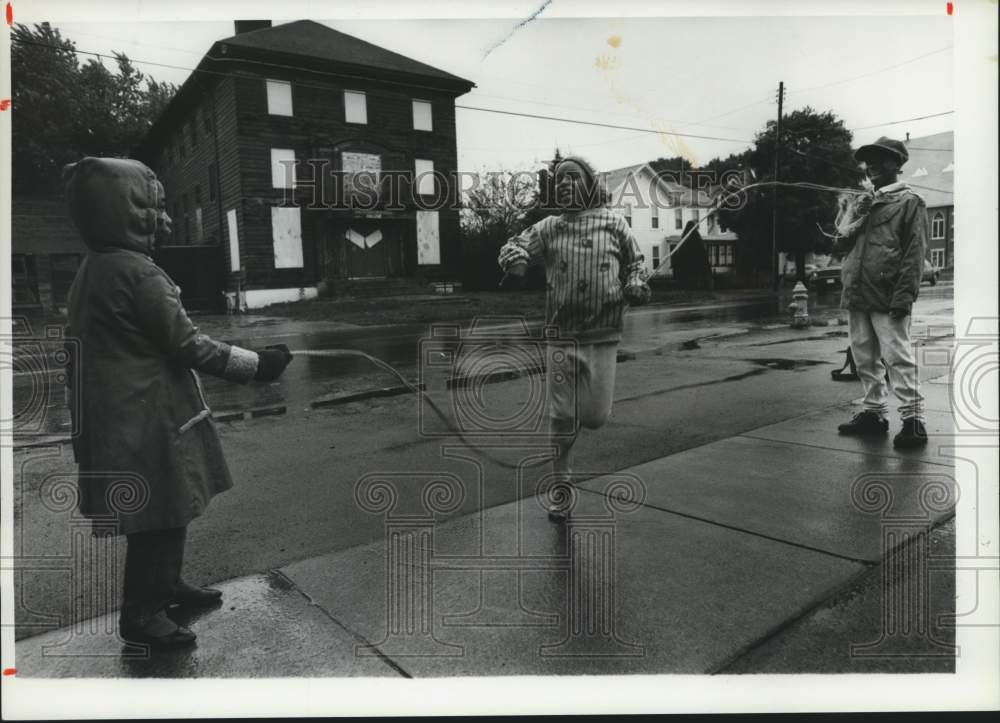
{"x":290,"y":584}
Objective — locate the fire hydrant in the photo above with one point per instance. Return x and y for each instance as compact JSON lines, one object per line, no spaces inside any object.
{"x":800,"y":294}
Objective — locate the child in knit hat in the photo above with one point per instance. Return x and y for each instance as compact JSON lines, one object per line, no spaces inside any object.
{"x":594,"y":268}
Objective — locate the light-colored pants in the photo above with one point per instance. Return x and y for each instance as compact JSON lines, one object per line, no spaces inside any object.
{"x":581,"y":388}
{"x":876,"y":336}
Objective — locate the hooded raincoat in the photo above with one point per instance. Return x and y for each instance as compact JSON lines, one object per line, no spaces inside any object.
{"x":148,"y":452}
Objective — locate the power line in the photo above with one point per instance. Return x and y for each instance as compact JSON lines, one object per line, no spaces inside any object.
{"x":599,"y":125}
{"x":318,"y":87}
{"x":873,"y":72}
{"x":826,"y":160}
{"x":224,"y":74}
{"x":905,"y":120}
{"x":728,"y":113}
{"x":683,"y":123}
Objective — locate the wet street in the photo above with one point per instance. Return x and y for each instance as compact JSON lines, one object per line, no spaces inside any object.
{"x":40,"y":407}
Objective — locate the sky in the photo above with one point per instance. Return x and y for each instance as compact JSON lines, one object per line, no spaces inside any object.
{"x":659,"y":76}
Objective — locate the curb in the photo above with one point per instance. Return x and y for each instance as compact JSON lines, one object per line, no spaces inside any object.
{"x":238,"y":415}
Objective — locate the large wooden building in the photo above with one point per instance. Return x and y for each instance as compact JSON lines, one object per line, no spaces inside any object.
{"x":296,"y":158}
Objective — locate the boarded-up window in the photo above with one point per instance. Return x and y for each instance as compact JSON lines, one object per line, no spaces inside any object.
{"x":423,"y":176}
{"x":428,"y":238}
{"x":355,"y":107}
{"x":282,"y":168}
{"x":279,"y":97}
{"x":422,"y":117}
{"x":199,"y":229}
{"x":286,"y":232}
{"x":234,"y":240}
{"x":361,"y":172}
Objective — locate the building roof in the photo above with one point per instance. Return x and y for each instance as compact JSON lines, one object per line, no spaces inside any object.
{"x":307,"y":46}
{"x":931,"y":168}
{"x":687,"y":197}
{"x":616,"y":177}
{"x":309,"y":39}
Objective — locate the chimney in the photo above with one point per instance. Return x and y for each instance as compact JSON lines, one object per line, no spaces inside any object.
{"x":248,"y":26}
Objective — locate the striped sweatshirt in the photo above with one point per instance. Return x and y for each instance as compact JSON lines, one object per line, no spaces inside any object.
{"x":589,"y":256}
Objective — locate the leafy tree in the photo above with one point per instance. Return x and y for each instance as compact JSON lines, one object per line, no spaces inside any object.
{"x":816,"y":148}
{"x":497,"y":206}
{"x":63,"y":110}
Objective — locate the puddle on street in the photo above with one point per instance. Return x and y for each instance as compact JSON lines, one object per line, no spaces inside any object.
{"x":785,"y":364}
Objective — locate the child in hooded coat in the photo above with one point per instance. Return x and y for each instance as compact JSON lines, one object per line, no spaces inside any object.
{"x":148,"y":453}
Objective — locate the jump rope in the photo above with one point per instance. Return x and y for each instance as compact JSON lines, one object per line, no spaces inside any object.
{"x":844,"y":223}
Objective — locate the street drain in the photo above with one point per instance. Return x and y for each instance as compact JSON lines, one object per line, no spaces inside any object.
{"x":785,"y":364}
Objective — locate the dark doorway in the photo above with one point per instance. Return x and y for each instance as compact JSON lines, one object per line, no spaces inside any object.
{"x":366,"y":254}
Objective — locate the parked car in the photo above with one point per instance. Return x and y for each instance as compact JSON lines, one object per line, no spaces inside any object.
{"x":789,"y":275}
{"x":828,"y":277}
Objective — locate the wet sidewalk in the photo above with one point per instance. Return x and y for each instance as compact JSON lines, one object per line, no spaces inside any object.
{"x":765,"y":550}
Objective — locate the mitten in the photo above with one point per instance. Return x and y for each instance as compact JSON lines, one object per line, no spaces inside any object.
{"x":515,"y":276}
{"x":272,"y":362}
{"x":510,"y":254}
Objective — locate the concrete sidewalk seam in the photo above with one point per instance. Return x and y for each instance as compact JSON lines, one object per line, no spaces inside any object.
{"x":788,"y":622}
{"x":750,"y":435}
{"x":734,"y":528}
{"x":357,"y":636}
{"x":870,"y":569}
{"x":696,"y":385}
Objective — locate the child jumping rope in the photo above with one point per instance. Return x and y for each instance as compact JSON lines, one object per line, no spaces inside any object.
{"x":593,"y":267}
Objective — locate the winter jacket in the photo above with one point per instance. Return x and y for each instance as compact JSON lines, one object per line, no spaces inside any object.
{"x":590,"y":257}
{"x":883,"y":268}
{"x":147,"y":447}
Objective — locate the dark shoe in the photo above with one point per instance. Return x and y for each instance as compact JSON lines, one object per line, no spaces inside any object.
{"x":912,"y":435}
{"x":865,"y":424}
{"x":159,"y":632}
{"x":195,"y":597}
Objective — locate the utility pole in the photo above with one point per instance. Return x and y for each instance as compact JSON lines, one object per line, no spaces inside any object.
{"x":774,"y":207}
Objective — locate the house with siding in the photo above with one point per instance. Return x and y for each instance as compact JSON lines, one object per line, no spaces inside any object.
{"x":296,"y":158}
{"x":658,"y":209}
{"x":930,"y":171}
{"x":46,"y":251}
